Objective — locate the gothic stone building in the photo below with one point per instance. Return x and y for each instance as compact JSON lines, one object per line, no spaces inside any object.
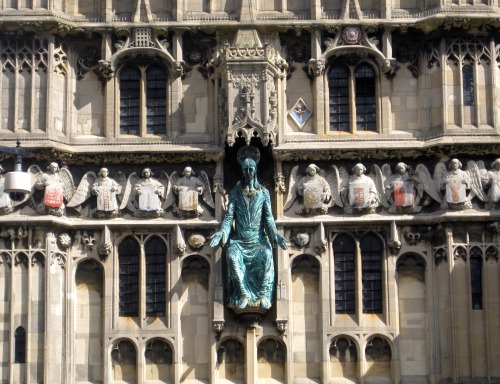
{"x":377,"y":127}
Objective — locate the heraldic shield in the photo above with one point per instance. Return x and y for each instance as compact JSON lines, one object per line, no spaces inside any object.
{"x":188,"y":199}
{"x":456,"y":191}
{"x":403,"y":193}
{"x":313,"y":194}
{"x":53,"y":196}
{"x":148,"y":199}
{"x":359,"y":194}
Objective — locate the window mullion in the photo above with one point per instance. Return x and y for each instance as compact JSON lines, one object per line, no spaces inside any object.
{"x":143,"y":102}
{"x":352,"y":100}
{"x":359,"y":284}
{"x":142,"y":285}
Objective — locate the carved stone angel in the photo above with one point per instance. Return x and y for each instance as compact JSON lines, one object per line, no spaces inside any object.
{"x":58,"y":186}
{"x":145,"y":197}
{"x":407,"y":189}
{"x":106,"y":190}
{"x":491,"y":181}
{"x":184,"y":193}
{"x":358,"y":192}
{"x":459,"y":186}
{"x":312,"y":189}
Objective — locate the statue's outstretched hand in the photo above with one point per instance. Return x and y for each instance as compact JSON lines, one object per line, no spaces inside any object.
{"x":281,"y":241}
{"x":215,"y":239}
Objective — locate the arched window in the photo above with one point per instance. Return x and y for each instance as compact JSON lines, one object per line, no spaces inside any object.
{"x":468,"y":85}
{"x":352,"y":97}
{"x":344,"y":261}
{"x":156,"y":278}
{"x":371,"y":266}
{"x":128,"y":260}
{"x":20,"y":345}
{"x":143,"y":100}
{"x":476,"y":281}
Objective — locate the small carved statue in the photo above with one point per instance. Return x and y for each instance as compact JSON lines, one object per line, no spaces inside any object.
{"x":57,"y":185}
{"x":144,"y":197}
{"x":492,"y":183}
{"x":406,"y":190}
{"x":359,"y":193}
{"x":249,"y":255}
{"x":106,"y":189}
{"x":312,"y":188}
{"x":456,"y":183}
{"x":187,"y":189}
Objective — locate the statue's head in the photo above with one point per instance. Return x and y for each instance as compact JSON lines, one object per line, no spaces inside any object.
{"x":188,"y":172}
{"x":496,"y":164}
{"x":401,"y":168}
{"x":312,"y":169}
{"x":147,"y":173}
{"x":103,"y":172}
{"x":455,"y":164}
{"x":53,"y":167}
{"x":359,"y":169}
{"x":249,"y":168}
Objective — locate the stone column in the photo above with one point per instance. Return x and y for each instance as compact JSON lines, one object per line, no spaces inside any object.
{"x":251,"y":376}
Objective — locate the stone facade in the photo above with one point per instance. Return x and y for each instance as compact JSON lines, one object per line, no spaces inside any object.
{"x":388,"y":278}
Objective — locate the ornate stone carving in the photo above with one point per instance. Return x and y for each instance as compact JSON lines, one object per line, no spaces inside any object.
{"x":60,"y":61}
{"x":218,"y":325}
{"x":406,"y":190}
{"x":180,"y":243}
{"x":58,"y":186}
{"x":281,"y":325}
{"x":459,"y":187}
{"x":184,"y":193}
{"x":352,"y":39}
{"x":358,"y":193}
{"x":412,"y":238}
{"x":64,"y":241}
{"x":196,"y":241}
{"x":59,"y":259}
{"x":145,"y":197}
{"x":301,"y":239}
{"x":104,"y":188}
{"x":491,"y":180}
{"x":313,"y":190}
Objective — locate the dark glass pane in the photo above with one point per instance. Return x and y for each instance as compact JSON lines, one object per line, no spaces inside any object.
{"x":156,"y":101}
{"x":156,"y":269}
{"x":371,"y":267}
{"x":20,"y":345}
{"x":338,"y":86}
{"x":476,"y":278}
{"x":130,"y":101}
{"x":343,"y":260}
{"x":468,"y":85}
{"x":365,"y":99}
{"x":128,"y":265}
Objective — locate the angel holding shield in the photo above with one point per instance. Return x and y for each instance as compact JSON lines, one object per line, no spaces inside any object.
{"x":312,"y":188}
{"x":144,"y":197}
{"x":187,"y":189}
{"x":57,"y":185}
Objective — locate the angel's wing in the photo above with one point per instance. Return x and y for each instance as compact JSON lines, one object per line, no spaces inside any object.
{"x":475,"y":177}
{"x":170,"y":196}
{"x":335,"y":179}
{"x":439,"y":174}
{"x":425,"y":179}
{"x":122,"y":182}
{"x":83,"y":191}
{"x":207,"y":192}
{"x":68,"y":183}
{"x":379,"y":179}
{"x":128,"y":194}
{"x":292,"y":189}
{"x":164,"y":180}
